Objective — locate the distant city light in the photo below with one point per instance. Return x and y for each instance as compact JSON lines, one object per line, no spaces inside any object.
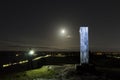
{"x":6,"y":65}
{"x":22,"y":62}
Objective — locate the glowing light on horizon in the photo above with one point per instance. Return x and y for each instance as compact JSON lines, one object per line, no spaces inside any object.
{"x":31,"y":52}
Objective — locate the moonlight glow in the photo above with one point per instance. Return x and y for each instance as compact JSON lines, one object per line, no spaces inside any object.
{"x":63,"y":31}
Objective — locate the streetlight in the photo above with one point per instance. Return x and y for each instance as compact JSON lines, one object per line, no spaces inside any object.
{"x":31,"y":52}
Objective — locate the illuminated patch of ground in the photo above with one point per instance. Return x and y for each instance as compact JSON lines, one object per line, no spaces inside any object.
{"x":44,"y":72}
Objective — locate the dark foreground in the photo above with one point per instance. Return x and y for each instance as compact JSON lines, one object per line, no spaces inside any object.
{"x":63,"y":72}
{"x":59,"y":66}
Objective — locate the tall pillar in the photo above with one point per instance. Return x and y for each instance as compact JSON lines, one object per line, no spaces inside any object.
{"x":84,"y":45}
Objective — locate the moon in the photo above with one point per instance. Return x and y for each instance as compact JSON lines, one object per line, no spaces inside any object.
{"x":63,"y":31}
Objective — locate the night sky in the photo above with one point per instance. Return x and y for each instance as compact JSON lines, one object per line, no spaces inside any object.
{"x":37,"y":24}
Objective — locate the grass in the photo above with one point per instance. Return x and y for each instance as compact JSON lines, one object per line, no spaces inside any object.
{"x":43,"y":72}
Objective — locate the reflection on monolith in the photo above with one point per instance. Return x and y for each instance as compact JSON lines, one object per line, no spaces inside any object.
{"x":84,"y":46}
